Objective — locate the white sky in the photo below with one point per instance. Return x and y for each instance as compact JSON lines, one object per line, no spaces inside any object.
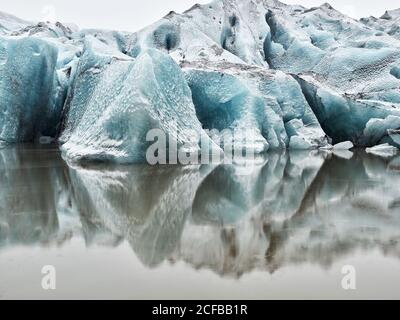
{"x":131,"y":15}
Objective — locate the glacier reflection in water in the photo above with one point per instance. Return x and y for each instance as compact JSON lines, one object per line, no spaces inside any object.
{"x":290,"y":208}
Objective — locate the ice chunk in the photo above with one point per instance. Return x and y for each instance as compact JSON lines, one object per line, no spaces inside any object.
{"x":383,"y":150}
{"x":341,"y":150}
{"x":347,"y":145}
{"x":344,"y":154}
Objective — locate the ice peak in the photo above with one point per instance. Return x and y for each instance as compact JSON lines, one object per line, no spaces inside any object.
{"x":170,"y":14}
{"x":386,"y":16}
{"x":327,"y":6}
{"x":391,"y":14}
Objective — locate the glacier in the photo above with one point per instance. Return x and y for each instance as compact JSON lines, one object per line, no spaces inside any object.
{"x":300,"y":78}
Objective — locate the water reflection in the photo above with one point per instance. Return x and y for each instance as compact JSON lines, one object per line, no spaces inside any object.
{"x":289,"y":208}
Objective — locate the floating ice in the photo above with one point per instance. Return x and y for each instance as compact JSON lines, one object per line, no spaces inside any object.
{"x":383,"y":150}
{"x":347,"y":145}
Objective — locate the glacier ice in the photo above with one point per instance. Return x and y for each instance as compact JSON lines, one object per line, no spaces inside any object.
{"x":228,"y":96}
{"x":122,"y":99}
{"x":394,"y":136}
{"x":344,"y":118}
{"x":299,"y":78}
{"x":379,"y":129}
{"x":27,"y":82}
{"x":387,"y":23}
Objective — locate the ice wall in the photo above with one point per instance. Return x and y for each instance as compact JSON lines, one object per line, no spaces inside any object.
{"x":300,"y":78}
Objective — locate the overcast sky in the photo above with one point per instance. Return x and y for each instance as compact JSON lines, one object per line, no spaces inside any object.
{"x":131,"y":15}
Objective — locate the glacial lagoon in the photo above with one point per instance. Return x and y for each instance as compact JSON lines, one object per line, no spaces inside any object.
{"x":282,"y":227}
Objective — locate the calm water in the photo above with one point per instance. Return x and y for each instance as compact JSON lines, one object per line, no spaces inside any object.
{"x":281,"y":228}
